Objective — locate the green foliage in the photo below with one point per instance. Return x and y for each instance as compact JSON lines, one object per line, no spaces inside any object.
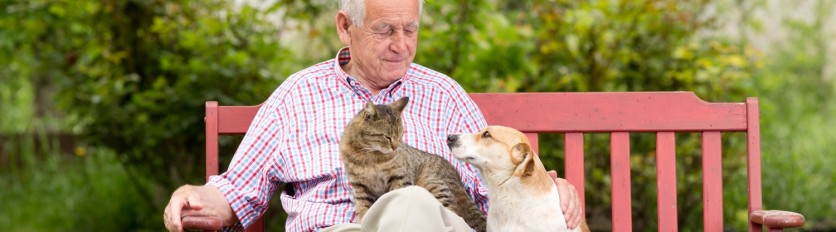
{"x":17,"y":99}
{"x":133,"y":75}
{"x":64,"y":193}
{"x":799,"y":106}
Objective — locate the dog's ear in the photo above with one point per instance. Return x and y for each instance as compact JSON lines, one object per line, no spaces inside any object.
{"x":522,"y":152}
{"x":400,"y":104}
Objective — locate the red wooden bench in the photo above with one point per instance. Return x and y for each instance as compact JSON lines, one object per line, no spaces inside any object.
{"x":618,"y":114}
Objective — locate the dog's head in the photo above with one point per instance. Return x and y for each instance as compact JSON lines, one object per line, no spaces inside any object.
{"x":497,"y":151}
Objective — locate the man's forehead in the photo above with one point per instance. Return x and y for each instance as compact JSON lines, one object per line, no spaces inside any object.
{"x":405,"y":10}
{"x":392,"y":5}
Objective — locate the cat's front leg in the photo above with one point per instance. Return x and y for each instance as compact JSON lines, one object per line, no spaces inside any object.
{"x":398,"y":181}
{"x":363,"y":200}
{"x":443,"y":194}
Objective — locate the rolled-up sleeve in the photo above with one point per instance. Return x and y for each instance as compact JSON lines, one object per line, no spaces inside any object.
{"x":253,"y":174}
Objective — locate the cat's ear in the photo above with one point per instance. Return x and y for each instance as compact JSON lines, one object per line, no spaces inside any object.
{"x":524,"y":157}
{"x":370,"y":109}
{"x":400,"y":104}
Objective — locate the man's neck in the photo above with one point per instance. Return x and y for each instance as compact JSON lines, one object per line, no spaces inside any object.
{"x":357,"y":74}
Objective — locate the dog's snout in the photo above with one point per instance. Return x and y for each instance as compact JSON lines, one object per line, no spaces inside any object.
{"x":452,"y":140}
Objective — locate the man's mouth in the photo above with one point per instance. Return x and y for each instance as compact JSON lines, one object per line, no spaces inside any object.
{"x":394,"y":60}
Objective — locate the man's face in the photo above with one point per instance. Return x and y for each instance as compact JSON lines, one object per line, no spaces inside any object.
{"x":384,"y":46}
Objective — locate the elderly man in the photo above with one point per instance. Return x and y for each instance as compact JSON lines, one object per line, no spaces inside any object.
{"x":294,"y":137}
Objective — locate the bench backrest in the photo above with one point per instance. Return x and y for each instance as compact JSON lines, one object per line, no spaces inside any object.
{"x":616,"y":113}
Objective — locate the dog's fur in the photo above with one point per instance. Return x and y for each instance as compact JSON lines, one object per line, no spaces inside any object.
{"x":522,"y":196}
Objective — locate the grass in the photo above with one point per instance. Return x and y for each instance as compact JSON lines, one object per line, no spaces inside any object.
{"x":93,"y":192}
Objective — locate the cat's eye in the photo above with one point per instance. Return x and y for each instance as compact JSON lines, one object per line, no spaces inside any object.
{"x":486,"y":135}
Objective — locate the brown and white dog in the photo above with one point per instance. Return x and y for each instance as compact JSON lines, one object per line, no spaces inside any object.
{"x":522,"y":196}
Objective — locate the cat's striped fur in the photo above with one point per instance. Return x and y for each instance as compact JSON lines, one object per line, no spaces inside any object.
{"x":377,"y":162}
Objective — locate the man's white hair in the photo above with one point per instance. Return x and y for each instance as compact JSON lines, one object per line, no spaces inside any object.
{"x":356,"y":10}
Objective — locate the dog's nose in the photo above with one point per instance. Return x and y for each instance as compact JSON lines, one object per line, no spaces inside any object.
{"x":452,"y":139}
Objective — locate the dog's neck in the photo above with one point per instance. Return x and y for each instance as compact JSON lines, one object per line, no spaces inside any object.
{"x":538,"y":182}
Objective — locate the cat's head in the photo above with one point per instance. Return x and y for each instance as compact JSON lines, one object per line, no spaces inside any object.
{"x":377,"y":127}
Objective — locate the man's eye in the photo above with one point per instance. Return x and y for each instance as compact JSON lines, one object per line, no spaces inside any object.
{"x":383,"y":31}
{"x":486,"y":135}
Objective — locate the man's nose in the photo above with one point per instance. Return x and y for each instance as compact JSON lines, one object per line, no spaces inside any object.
{"x":398,"y":44}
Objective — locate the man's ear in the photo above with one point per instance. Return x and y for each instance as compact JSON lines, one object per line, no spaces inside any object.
{"x":370,"y":109}
{"x":400,"y":104}
{"x":343,"y":23}
{"x":522,"y":153}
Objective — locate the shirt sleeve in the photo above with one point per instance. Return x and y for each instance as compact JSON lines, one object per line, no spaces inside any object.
{"x":253,"y":174}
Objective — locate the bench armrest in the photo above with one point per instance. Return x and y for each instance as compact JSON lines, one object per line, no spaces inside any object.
{"x":777,"y":218}
{"x":205,"y":223}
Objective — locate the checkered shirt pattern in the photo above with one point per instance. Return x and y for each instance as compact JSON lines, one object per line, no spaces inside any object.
{"x":294,"y":139}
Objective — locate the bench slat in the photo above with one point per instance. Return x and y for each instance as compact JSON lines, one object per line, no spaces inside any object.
{"x":534,"y":141}
{"x":666,"y":183}
{"x":575,"y":165}
{"x":712,"y":169}
{"x":610,"y":111}
{"x":620,"y":166}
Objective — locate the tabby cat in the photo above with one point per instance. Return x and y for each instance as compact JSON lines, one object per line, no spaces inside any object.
{"x":377,"y":162}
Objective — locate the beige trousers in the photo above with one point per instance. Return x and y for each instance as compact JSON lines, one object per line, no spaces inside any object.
{"x":407,"y":209}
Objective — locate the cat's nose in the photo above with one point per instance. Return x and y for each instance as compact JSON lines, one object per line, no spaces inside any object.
{"x":452,"y":140}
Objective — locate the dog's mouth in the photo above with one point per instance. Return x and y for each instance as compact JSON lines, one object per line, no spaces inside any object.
{"x":467,"y":158}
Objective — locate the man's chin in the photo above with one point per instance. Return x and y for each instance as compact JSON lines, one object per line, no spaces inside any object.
{"x":395,"y":75}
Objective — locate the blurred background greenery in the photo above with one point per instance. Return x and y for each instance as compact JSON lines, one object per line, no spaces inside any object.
{"x":101,"y":101}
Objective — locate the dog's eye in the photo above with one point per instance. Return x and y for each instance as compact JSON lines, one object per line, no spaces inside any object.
{"x":486,"y":135}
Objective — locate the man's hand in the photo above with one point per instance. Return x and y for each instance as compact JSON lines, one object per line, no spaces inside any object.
{"x":200,"y":201}
{"x":569,"y":201}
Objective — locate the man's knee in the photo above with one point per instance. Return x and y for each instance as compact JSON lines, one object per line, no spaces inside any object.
{"x":411,"y":208}
{"x":407,"y":194}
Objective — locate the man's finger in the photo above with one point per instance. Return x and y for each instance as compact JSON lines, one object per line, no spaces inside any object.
{"x":553,"y":174}
{"x":194,"y":203}
{"x":176,"y":210}
{"x":172,"y":222}
{"x":179,"y":200}
{"x":574,"y":208}
{"x":165,"y":219}
{"x":570,"y":207}
{"x":565,"y":194}
{"x":579,"y":212}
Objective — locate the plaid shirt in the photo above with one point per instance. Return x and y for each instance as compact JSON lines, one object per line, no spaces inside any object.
{"x":295,"y":136}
